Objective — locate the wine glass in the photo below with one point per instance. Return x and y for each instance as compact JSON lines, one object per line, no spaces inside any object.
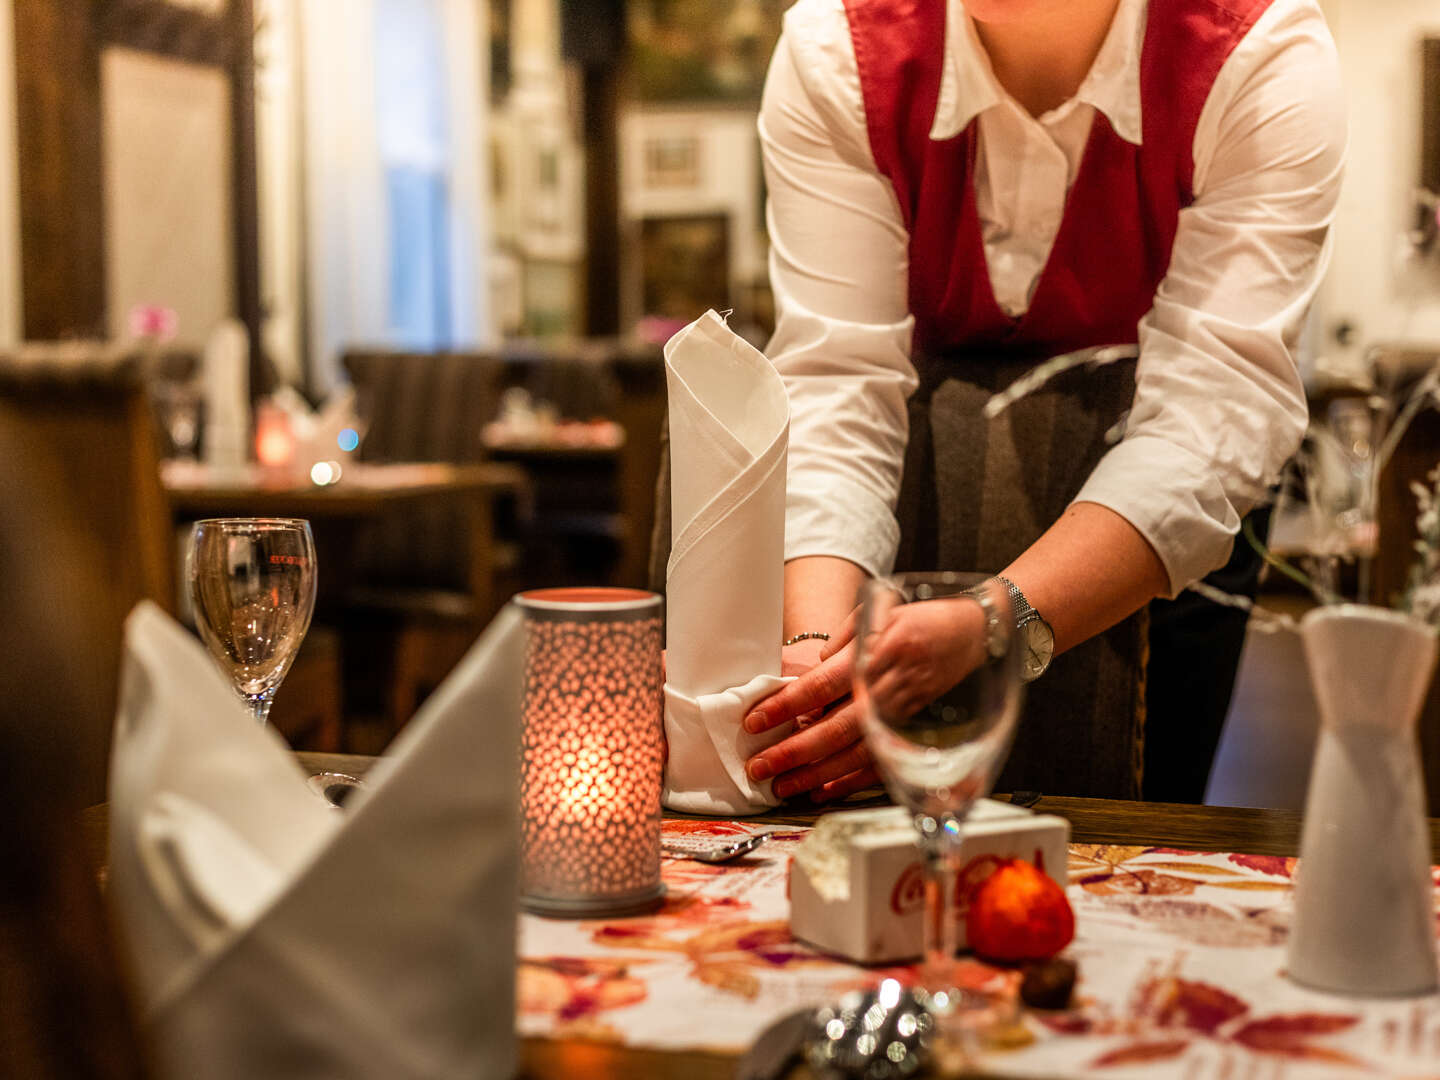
{"x":252,"y":583}
{"x":178,"y":405}
{"x":937,"y":676}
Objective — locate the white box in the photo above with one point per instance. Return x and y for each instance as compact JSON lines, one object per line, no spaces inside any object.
{"x":857,"y":881}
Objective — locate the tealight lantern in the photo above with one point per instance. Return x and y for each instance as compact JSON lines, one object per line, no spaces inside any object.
{"x":591,"y":752}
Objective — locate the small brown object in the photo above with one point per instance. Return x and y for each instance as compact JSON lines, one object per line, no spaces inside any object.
{"x":1048,"y":985}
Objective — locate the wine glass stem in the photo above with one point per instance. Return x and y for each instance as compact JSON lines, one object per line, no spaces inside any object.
{"x":942,"y":932}
{"x":259,"y":705}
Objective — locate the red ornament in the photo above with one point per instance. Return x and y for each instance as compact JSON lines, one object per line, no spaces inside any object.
{"x":1018,"y":913}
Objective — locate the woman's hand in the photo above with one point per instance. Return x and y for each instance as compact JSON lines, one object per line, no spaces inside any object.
{"x":924,"y":650}
{"x":826,"y":755}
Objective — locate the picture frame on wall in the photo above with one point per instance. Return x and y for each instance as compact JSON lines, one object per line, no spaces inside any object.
{"x":688,"y":51}
{"x":686,"y":265}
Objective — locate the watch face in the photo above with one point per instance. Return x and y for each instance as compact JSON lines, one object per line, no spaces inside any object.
{"x":1039,"y":642}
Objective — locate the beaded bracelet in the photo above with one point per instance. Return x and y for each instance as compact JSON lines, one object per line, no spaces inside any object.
{"x":817,"y":635}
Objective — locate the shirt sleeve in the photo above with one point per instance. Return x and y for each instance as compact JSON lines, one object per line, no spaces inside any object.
{"x":1219,"y":404}
{"x":838,"y":265}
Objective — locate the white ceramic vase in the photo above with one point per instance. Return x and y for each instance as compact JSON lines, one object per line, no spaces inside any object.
{"x":1364,"y":899}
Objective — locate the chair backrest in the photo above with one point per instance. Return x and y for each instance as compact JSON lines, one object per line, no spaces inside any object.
{"x":577,"y":379}
{"x":425,"y":406}
{"x":421,"y":407}
{"x":88,"y":531}
{"x":434,"y":406}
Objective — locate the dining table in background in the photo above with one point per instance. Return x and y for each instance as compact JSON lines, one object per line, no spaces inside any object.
{"x":1245,"y":830}
{"x":363,"y":492}
{"x":585,"y":498}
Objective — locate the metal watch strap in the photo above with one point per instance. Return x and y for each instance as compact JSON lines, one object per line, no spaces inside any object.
{"x":1038,"y":650}
{"x":1024,"y":613}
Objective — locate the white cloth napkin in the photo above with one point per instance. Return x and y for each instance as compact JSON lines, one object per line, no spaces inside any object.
{"x":225,"y":379}
{"x":729,"y":432}
{"x":271,"y":935}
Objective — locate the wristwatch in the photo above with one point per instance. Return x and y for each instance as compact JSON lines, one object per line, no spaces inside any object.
{"x":994,"y":636}
{"x":1035,"y":634}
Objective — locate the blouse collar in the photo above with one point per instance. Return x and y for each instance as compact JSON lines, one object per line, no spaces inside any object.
{"x":968,"y":85}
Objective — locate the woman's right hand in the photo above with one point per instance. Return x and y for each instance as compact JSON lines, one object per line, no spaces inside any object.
{"x":826,"y":754}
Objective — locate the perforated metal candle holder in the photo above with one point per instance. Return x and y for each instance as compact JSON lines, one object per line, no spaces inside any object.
{"x":591,"y":752}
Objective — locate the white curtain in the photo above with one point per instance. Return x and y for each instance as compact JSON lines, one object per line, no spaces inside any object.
{"x":468,"y":95}
{"x":351,"y":278}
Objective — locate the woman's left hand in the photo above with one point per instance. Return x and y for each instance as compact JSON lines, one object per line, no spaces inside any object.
{"x":927,"y":647}
{"x":923,"y":650}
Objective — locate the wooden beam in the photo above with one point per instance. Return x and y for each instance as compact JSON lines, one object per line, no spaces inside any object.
{"x":602,"y":201}
{"x":246,"y":171}
{"x":593,"y":36}
{"x":1430,"y":113}
{"x":62,"y":210}
{"x":165,"y":28}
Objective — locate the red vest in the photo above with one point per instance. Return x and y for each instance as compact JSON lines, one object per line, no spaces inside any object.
{"x":1114,"y":241}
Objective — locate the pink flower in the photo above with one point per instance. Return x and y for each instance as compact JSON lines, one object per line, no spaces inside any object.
{"x":153,"y":321}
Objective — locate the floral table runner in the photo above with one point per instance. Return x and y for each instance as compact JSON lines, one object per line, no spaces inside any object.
{"x":1181,"y":958}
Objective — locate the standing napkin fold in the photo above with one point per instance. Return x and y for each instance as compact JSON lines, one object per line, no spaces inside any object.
{"x":225,"y":380}
{"x":273,"y":936}
{"x":729,"y":432}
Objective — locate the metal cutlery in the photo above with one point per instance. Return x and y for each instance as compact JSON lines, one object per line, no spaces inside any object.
{"x":711,"y":852}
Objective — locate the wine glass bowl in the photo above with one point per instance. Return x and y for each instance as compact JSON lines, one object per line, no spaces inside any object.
{"x":938,"y":681}
{"x":252,"y":586}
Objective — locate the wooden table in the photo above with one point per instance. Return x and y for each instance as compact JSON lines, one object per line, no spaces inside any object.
{"x":1205,"y":828}
{"x":363,"y":491}
{"x":1212,"y":828}
{"x":579,"y":509}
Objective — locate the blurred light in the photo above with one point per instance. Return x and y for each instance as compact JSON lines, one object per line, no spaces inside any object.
{"x":348,"y":439}
{"x":274,"y":444}
{"x":890,"y":993}
{"x":325,"y":472}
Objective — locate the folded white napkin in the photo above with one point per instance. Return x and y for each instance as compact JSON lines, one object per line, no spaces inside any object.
{"x":271,"y":935}
{"x":729,"y":431}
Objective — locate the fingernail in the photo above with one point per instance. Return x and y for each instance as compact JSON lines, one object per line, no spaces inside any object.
{"x":754,"y":723}
{"x":760,"y":769}
{"x":782,"y":790}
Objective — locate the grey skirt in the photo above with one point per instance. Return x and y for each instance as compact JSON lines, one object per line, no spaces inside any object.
{"x":975,"y":494}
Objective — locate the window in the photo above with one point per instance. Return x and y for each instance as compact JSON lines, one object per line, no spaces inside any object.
{"x":414,"y":156}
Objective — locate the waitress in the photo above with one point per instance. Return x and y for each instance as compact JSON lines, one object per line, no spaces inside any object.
{"x":958,"y":191}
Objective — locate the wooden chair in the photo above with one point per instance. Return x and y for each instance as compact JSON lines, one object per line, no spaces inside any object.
{"x":93,"y":536}
{"x":416,"y":610}
{"x":92,"y":532}
{"x":433,"y":407}
{"x":600,"y":509}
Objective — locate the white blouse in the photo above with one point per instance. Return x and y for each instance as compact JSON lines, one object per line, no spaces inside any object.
{"x":1219,"y":405}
